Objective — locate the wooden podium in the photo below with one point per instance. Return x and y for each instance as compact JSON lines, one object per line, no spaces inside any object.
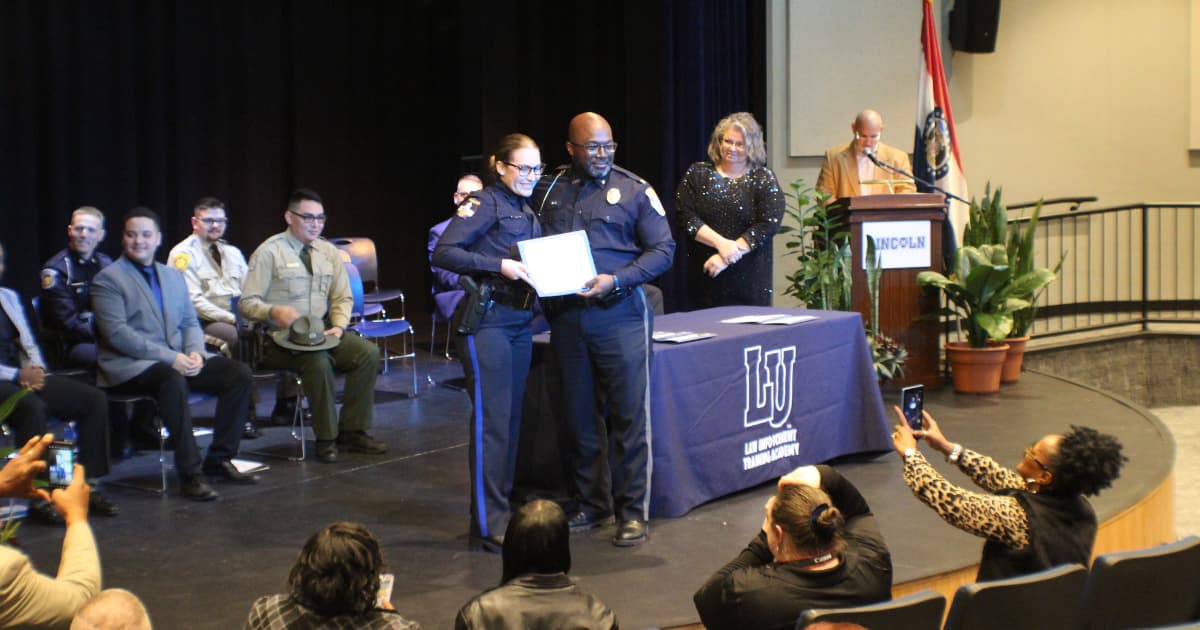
{"x":901,"y":299}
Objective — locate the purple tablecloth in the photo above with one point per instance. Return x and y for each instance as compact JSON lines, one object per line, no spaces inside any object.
{"x":754,"y":402}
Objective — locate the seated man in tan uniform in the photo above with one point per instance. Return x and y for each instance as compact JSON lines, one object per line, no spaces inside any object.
{"x":847,"y":165}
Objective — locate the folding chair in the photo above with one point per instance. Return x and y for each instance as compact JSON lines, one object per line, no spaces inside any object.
{"x":1047,"y":599}
{"x":380,"y":328}
{"x":194,"y":398}
{"x":919,"y":611}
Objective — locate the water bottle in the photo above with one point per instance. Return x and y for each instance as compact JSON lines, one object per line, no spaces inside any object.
{"x":70,"y":435}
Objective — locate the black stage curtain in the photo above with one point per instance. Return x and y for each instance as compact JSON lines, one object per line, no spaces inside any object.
{"x":378,"y":105}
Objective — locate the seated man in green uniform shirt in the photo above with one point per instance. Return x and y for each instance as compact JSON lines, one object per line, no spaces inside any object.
{"x":296,"y":273}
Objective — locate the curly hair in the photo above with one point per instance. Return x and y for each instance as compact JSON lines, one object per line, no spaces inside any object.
{"x":808,"y":516}
{"x":337,"y":572}
{"x":752,"y":135}
{"x":1087,"y":462}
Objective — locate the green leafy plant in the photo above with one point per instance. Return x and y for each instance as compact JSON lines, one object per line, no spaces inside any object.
{"x":887,"y":355}
{"x":1020,"y":256}
{"x":983,"y":293}
{"x":988,"y":220}
{"x":822,"y":248}
{"x":8,"y":528}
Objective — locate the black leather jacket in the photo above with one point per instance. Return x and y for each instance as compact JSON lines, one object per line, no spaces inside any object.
{"x":536,"y":601}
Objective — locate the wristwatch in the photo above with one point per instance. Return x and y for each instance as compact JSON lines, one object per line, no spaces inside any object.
{"x":909,"y":452}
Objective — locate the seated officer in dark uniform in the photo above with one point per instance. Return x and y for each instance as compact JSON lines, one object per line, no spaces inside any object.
{"x":601,"y":335}
{"x":66,"y":308}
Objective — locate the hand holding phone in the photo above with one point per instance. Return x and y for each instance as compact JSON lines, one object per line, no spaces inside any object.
{"x":912,"y":403}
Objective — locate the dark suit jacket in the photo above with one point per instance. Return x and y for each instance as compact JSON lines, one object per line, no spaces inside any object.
{"x":133,"y":334}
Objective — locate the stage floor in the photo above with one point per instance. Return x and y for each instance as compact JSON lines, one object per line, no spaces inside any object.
{"x":201,"y":565}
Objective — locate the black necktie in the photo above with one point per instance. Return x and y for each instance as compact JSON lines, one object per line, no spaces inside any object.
{"x":306,"y":258}
{"x":216,"y":254}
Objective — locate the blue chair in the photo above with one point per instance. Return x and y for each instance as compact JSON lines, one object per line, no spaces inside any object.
{"x":362,"y":255}
{"x":920,"y":611}
{"x":1047,"y":599}
{"x":1158,"y":586}
{"x":380,"y":328}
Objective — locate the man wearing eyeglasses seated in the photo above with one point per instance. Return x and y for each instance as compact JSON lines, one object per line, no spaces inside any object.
{"x":601,"y":334}
{"x":297,"y":273}
{"x":214,"y":270}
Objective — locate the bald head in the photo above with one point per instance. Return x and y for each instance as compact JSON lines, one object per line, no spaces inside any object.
{"x":112,"y":609}
{"x":867,"y":128}
{"x":590,"y":143}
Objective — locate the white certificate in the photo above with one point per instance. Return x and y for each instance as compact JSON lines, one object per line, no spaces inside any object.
{"x":559,"y":264}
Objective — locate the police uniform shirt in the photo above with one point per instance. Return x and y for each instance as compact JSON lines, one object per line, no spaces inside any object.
{"x":210,"y":287}
{"x":277,"y":277}
{"x":66,"y":294}
{"x":484,"y":230}
{"x":623,"y":216}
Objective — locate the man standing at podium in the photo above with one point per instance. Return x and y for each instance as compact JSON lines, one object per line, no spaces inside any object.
{"x":847,"y":165}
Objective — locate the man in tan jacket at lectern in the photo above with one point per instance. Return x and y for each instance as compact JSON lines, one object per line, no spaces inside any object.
{"x":849,"y":171}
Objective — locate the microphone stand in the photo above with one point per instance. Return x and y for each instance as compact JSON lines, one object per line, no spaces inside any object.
{"x":880,"y":163}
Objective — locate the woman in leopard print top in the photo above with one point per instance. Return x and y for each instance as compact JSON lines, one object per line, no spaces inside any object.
{"x":1034,"y":516}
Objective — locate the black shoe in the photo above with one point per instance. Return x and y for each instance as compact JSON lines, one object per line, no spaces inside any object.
{"x":327,"y":451}
{"x":195,"y":489}
{"x":582,"y":522}
{"x":284,"y":411}
{"x":226,"y":471}
{"x":360,"y":442}
{"x":630,"y":533}
{"x":100,"y":506}
{"x":42,"y":512}
{"x":490,"y":544}
{"x":249,"y":431}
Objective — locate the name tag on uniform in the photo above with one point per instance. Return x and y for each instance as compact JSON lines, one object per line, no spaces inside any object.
{"x":292,"y":264}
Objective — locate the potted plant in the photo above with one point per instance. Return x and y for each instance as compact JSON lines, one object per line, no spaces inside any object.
{"x":822,"y":248}
{"x":982,"y":293}
{"x":1020,"y":256}
{"x":8,"y":527}
{"x":887,"y":355}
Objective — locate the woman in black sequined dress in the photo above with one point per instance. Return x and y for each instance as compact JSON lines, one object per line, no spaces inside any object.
{"x":731,"y":208}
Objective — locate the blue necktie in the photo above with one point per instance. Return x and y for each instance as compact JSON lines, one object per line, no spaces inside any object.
{"x":152,"y":278}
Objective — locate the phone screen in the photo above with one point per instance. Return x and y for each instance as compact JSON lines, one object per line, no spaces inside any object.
{"x":912,"y":401}
{"x":60,"y":464}
{"x":386,"y":581}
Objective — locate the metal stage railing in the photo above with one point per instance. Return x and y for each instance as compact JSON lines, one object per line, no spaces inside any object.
{"x":1130,"y":266}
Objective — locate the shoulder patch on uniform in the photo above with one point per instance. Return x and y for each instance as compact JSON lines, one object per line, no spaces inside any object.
{"x":49,"y":278}
{"x":655,"y":202}
{"x":466,"y":209}
{"x":182,"y":261}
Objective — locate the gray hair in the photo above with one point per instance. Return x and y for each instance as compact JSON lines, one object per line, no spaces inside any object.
{"x":752,"y":133}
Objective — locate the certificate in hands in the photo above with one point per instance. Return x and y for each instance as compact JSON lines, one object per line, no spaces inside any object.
{"x":559,"y":264}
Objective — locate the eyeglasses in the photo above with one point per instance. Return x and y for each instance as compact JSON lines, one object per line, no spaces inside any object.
{"x":733,"y":144}
{"x":1031,"y":454}
{"x":593,"y":148}
{"x":525,"y":171}
{"x":215,"y":221}
{"x":309,"y":218}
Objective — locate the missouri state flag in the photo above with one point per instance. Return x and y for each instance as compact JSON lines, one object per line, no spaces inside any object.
{"x":935,"y":148}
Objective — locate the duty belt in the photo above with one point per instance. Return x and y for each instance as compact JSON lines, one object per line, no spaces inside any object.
{"x":512,"y":294}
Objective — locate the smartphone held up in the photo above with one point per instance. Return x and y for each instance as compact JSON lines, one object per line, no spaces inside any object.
{"x":912,"y":403}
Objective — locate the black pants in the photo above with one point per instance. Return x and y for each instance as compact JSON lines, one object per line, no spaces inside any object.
{"x":64,"y":398}
{"x":226,"y":378}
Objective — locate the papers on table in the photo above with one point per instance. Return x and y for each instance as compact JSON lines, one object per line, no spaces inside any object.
{"x":559,"y":264}
{"x":776,"y":319}
{"x":666,"y":336}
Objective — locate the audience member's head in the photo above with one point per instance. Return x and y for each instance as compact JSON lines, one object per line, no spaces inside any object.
{"x":537,"y":541}
{"x":337,"y":572}
{"x":112,"y":609}
{"x":834,"y":625}
{"x":1082,"y":461}
{"x":803,"y":522}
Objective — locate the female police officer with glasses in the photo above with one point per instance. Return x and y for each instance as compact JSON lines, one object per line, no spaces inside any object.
{"x":492,"y":323}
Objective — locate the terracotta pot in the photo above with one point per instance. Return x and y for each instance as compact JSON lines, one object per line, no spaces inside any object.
{"x":976,"y":370}
{"x":1013,"y":360}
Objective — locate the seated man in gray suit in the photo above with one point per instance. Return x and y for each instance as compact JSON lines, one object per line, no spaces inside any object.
{"x":151,"y":343}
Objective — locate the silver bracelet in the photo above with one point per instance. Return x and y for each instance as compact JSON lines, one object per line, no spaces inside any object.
{"x":955,"y":453}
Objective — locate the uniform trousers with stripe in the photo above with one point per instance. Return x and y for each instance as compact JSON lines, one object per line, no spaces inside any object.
{"x":496,"y":363}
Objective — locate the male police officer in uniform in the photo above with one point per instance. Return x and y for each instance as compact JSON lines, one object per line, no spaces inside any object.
{"x":66,"y":308}
{"x":601,"y":335}
{"x":297,"y":273}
